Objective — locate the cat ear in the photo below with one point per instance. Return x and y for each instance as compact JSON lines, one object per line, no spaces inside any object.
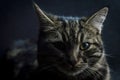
{"x":45,"y":19}
{"x":97,"y":19}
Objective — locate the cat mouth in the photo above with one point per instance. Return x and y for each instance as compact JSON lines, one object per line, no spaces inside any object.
{"x":72,"y":71}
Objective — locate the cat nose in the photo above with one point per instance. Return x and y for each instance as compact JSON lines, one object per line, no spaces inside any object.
{"x":73,"y":62}
{"x":73,"y":55}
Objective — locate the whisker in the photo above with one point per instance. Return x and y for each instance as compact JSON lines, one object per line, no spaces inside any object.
{"x":109,"y":55}
{"x":88,"y":72}
{"x":96,"y":74}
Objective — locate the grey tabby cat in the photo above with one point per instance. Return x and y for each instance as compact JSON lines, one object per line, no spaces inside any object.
{"x":72,"y":47}
{"x":68,"y":48}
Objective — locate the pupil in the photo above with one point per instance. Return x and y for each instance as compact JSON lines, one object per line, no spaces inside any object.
{"x":85,"y":45}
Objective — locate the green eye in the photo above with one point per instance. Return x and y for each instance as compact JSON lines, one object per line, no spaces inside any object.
{"x":85,"y":46}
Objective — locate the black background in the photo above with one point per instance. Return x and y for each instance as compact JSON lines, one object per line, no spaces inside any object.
{"x":19,"y":21}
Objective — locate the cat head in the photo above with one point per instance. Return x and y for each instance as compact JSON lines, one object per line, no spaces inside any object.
{"x":71,"y":44}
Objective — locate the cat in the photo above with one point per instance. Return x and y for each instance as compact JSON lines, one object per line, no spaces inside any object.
{"x":68,"y":48}
{"x":72,"y":47}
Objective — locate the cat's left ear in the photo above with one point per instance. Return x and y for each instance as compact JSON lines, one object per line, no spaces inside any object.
{"x":97,"y":19}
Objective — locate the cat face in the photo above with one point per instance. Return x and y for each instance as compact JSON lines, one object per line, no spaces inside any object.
{"x":70,"y":44}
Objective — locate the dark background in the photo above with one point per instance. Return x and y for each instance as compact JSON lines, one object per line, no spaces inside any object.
{"x":19,"y":21}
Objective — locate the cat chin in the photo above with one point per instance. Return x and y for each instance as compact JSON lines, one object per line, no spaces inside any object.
{"x":72,"y":72}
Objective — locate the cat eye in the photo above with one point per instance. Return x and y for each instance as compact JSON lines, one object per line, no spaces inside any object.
{"x":85,"y":46}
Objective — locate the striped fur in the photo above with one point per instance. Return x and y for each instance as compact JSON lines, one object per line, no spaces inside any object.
{"x":73,"y":45}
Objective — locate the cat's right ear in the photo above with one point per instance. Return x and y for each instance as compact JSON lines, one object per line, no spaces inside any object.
{"x":44,"y":18}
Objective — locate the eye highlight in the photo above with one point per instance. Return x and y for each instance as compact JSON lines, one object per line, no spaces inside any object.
{"x":85,"y":46}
